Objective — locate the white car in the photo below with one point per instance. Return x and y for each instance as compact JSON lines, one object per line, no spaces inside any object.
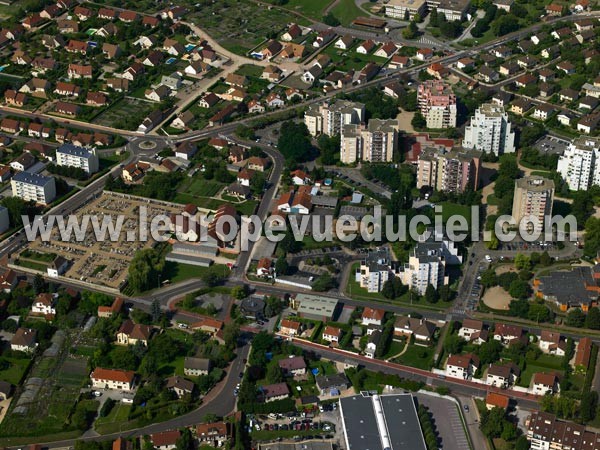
{"x":488,"y":258}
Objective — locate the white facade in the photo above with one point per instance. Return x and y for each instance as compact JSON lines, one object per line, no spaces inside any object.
{"x":330,"y":118}
{"x":579,"y":166}
{"x":73,"y":156}
{"x":375,"y":143}
{"x":490,"y":131}
{"x":29,"y":186}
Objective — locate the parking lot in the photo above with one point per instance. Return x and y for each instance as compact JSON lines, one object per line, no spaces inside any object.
{"x":551,"y":145}
{"x":447,"y":420}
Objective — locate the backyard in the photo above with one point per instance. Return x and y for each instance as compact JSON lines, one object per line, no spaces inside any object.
{"x":126,"y":113}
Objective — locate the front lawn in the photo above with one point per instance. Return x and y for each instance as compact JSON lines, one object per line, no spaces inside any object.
{"x":417,"y":356}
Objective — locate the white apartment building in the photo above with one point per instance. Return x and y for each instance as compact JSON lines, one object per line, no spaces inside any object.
{"x":490,"y":131}
{"x":374,"y":271}
{"x":579,"y":166}
{"x":330,"y":118}
{"x":31,"y":186}
{"x":448,"y":171}
{"x":73,"y":156}
{"x":376,"y":142}
{"x":533,"y":200}
{"x":398,"y":9}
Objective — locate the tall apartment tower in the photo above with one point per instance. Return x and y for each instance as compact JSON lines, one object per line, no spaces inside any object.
{"x":579,"y":166}
{"x":533,"y":197}
{"x":376,"y":142}
{"x":453,"y":171}
{"x":330,"y":118}
{"x":437,"y":103}
{"x":490,"y":131}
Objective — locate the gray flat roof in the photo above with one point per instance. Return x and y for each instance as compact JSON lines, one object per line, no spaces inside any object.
{"x":74,"y":150}
{"x":399,"y":416}
{"x":314,"y":304}
{"x":32,"y":178}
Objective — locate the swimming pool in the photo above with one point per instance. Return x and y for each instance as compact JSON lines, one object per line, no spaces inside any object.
{"x":170,"y":60}
{"x":190,"y":47}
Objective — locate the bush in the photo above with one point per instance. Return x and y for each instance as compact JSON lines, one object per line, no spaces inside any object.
{"x":109,"y":404}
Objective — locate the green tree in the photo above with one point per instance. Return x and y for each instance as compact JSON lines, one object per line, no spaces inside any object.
{"x":231,"y":334}
{"x":324,"y":282}
{"x":410,"y":32}
{"x":144,"y":269}
{"x":489,"y":352}
{"x":575,"y":318}
{"x":588,"y":407}
{"x":294,"y":142}
{"x":592,"y":319}
{"x":519,"y":289}
{"x":240,"y":292}
{"x":522,"y":443}
{"x":431,"y":294}
{"x":522,"y":262}
{"x":281,"y":265}
{"x":331,"y":20}
{"x":418,"y":121}
{"x":582,"y":207}
{"x":185,"y":440}
{"x":274,"y":374}
{"x":453,"y":344}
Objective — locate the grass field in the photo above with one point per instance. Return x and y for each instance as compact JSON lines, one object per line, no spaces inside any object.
{"x":16,"y":370}
{"x":417,"y":356}
{"x":545,"y":363}
{"x":352,"y":59}
{"x":346,"y":11}
{"x":115,"y":418}
{"x":312,"y":8}
{"x":176,"y":272}
{"x":450,"y":209}
{"x":200,"y":187}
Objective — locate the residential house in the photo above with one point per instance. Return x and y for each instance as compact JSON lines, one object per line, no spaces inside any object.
{"x":83,"y":13}
{"x":113,"y":309}
{"x":107,"y":14}
{"x":544,"y":383}
{"x":67,"y":89}
{"x":197,"y":68}
{"x":58,"y":267}
{"x":14,"y":98}
{"x":386,"y":50}
{"x":147,"y":42}
{"x":502,"y":375}
{"x":24,"y":340}
{"x":502,"y":51}
{"x":158,"y":94}
{"x":507,"y":334}
{"x":292,"y":51}
{"x":423,"y":54}
{"x":546,"y":75}
{"x":323,"y":38}
{"x":209,"y":100}
{"x":194,"y":367}
{"x":8,"y":281}
{"x":372,"y":344}
{"x":493,"y":400}
{"x":293,"y":366}
{"x":332,"y":334}
{"x":50,"y":12}
{"x":75,"y":46}
{"x":236,"y":80}
{"x":264,"y":268}
{"x":128,"y":16}
{"x":237,"y":154}
{"x":79,"y":71}
{"x":399,"y":62}
{"x":257,"y":163}
{"x":332,"y":384}
{"x":133,"y":333}
{"x":567,"y":67}
{"x":365,"y":47}
{"x":588,"y":103}
{"x":344,"y":42}
{"x":583,"y":353}
{"x":271,"y":73}
{"x":10,"y":126}
{"x":551,"y":52}
{"x":274,"y":392}
{"x":254,"y":106}
{"x":23,"y":162}
{"x":465,"y":63}
{"x":552,"y":343}
{"x":462,"y":366}
{"x":543,"y":112}
{"x":293,"y":32}
{"x":568,"y":95}
{"x":372,"y":316}
{"x":165,"y":440}
{"x":183,"y":120}
{"x":589,"y":123}
{"x":312,"y":74}
{"x":134,"y":71}
{"x":180,"y":386}
{"x":290,"y":327}
{"x":108,"y":30}
{"x":154,"y":59}
{"x":117,"y":84}
{"x":114,"y":379}
{"x":421,"y":329}
{"x":487,"y":74}
{"x":68,"y":109}
{"x":213,"y":434}
{"x":520,"y":106}
{"x":36,"y":86}
{"x":368,"y":73}
{"x":44,"y":305}
{"x":173,"y":47}
{"x":274,"y":100}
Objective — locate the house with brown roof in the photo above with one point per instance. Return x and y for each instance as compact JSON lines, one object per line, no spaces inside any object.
{"x":50,"y":12}
{"x":36,"y":86}
{"x":117,"y":84}
{"x":233,"y":79}
{"x":83,"y":13}
{"x":68,"y":109}
{"x":8,"y":278}
{"x":10,"y":126}
{"x":292,"y":366}
{"x":290,"y":327}
{"x":183,"y":120}
{"x":209,"y":100}
{"x":421,"y":329}
{"x":274,"y":392}
{"x":151,"y":22}
{"x":554,"y":9}
{"x":96,"y":99}
{"x":33,"y":21}
{"x":332,"y":334}
{"x":208,"y":325}
{"x":544,"y":383}
{"x":264,"y":268}
{"x":14,"y":98}
{"x":154,"y":59}
{"x":237,"y":154}
{"x":220,"y":117}
{"x":292,"y":51}
{"x":257,"y":163}
{"x":114,"y":308}
{"x":372,"y":316}
{"x":128,"y":16}
{"x":107,"y":13}
{"x":386,"y":50}
{"x":508,"y":334}
{"x":293,"y":32}
{"x":131,"y":333}
{"x":75,"y":46}
{"x":462,"y":366}
{"x":42,"y":65}
{"x":493,"y":400}
{"x":552,"y":343}
{"x":213,"y":434}
{"x":180,"y":386}
{"x":79,"y":71}
{"x":24,"y":340}
{"x":111,"y":51}
{"x":165,"y":440}
{"x":502,"y":375}
{"x":583,"y":353}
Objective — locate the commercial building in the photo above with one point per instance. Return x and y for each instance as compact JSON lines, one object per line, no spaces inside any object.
{"x":386,"y":422}
{"x":31,"y":186}
{"x":453,"y":171}
{"x":437,"y":103}
{"x":452,"y":9}
{"x":376,"y":142}
{"x":490,"y":131}
{"x":330,"y":118}
{"x":533,"y":200}
{"x":576,"y":288}
{"x":398,"y":9}
{"x":579,"y":166}
{"x":315,"y":307}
